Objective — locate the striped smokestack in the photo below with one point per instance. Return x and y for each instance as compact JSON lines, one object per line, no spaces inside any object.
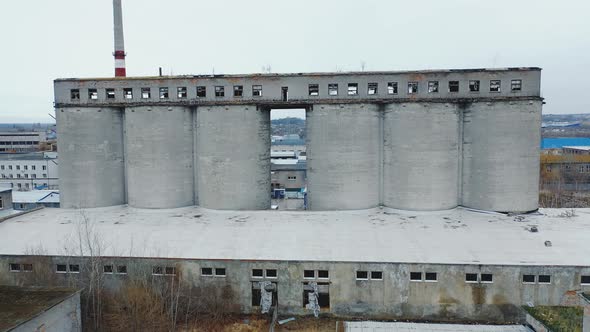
{"x":119,"y":43}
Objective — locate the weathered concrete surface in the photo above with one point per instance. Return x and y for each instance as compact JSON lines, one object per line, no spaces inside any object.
{"x":421,"y":156}
{"x":159,"y":157}
{"x":343,"y":156}
{"x":232,"y":157}
{"x":91,"y":158}
{"x":501,"y":155}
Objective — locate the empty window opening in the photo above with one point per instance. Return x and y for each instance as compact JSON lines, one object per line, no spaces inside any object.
{"x":585,"y":280}
{"x":257,"y":90}
{"x":474,"y":86}
{"x":15,"y":267}
{"x":544,"y":279}
{"x":494,"y":85}
{"x":309,"y":274}
{"x":314,"y":90}
{"x":206,"y":271}
{"x":181,"y":92}
{"x":487,"y":277}
{"x":353,"y":89}
{"x":170,"y":270}
{"x":220,"y":272}
{"x":333,"y":89}
{"x":372,"y":88}
{"x":392,"y":88}
{"x":146,"y":93}
{"x":453,"y":86}
{"x":291,"y":177}
{"x":92,"y":94}
{"x":430,"y":276}
{"x":271,"y":273}
{"x":323,"y":294}
{"x":164,"y":93}
{"x":257,"y":293}
{"x":516,"y":85}
{"x":432,"y":86}
{"x":376,"y":275}
{"x":257,"y":273}
{"x":110,"y":93}
{"x":27,"y":267}
{"x":75,"y":94}
{"x":157,"y":270}
{"x":201,"y":92}
{"x":219,"y":91}
{"x":61,"y":268}
{"x":74,"y":268}
{"x":122,"y":269}
{"x":362,"y":275}
{"x":323,"y":274}
{"x":415,"y":276}
{"x":528,"y":278}
{"x":470,"y":277}
{"x":285,"y":93}
{"x":128,"y":93}
{"x":238,"y":91}
{"x":412,"y":87}
{"x":108,"y":269}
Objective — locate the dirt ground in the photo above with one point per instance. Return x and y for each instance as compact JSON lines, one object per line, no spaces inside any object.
{"x":259,"y":323}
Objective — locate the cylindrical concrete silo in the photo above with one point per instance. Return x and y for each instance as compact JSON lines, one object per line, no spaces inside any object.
{"x":343,"y":155}
{"x":421,"y":156}
{"x":232,"y":157}
{"x":159,"y":156}
{"x":501,"y":148}
{"x":91,"y":160}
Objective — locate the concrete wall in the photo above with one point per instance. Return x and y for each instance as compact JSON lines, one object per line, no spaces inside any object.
{"x":159,"y":156}
{"x":92,"y":170}
{"x":343,"y":156}
{"x":63,"y":317}
{"x":232,"y":157}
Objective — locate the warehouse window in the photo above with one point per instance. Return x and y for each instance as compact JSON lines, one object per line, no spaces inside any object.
{"x":544,"y":279}
{"x":415,"y":276}
{"x":257,"y":90}
{"x":470,"y":277}
{"x":362,"y":275}
{"x":528,"y":278}
{"x":27,"y":267}
{"x":181,"y":92}
{"x":474,"y":86}
{"x":585,"y":280}
{"x":110,"y":93}
{"x":376,"y":275}
{"x":219,"y":91}
{"x":271,"y":273}
{"x":495,"y":86}
{"x":412,"y":87}
{"x":122,"y":269}
{"x":353,"y":89}
{"x":256,"y":273}
{"x":516,"y":85}
{"x":164,"y":93}
{"x":372,"y":89}
{"x":92,"y":94}
{"x":146,"y":93}
{"x":74,"y":268}
{"x":453,"y":86}
{"x":392,"y":88}
{"x":333,"y":89}
{"x":128,"y":93}
{"x":314,"y":89}
{"x":201,"y":91}
{"x":432,"y":86}
{"x":170,"y":271}
{"x":487,"y":278}
{"x":15,"y":267}
{"x":220,"y":272}
{"x":157,"y":270}
{"x":75,"y":94}
{"x":61,"y":268}
{"x":430,"y":276}
{"x":238,"y":90}
{"x":323,"y":274}
{"x":108,"y":269}
{"x":206,"y":271}
{"x":308,"y":274}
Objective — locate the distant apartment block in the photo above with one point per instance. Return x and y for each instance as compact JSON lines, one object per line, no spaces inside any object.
{"x":28,"y":171}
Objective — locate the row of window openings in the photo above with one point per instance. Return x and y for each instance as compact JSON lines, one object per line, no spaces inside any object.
{"x":313,"y":90}
{"x":19,"y":142}
{"x":27,"y":186}
{"x":25,"y":167}
{"x":21,"y":176}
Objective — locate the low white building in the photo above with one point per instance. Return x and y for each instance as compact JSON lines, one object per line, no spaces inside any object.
{"x":28,"y":171}
{"x":21,"y":141}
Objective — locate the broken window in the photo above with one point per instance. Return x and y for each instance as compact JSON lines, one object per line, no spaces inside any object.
{"x":585,"y":280}
{"x":474,"y":86}
{"x":92,"y":94}
{"x":353,"y":89}
{"x":128,"y":93}
{"x":75,"y":94}
{"x":257,"y":90}
{"x":453,"y":86}
{"x":470,"y":277}
{"x":372,"y":89}
{"x":74,"y":268}
{"x":323,"y":274}
{"x":164,"y":93}
{"x":108,"y":269}
{"x":376,"y":275}
{"x":271,"y":273}
{"x":516,"y":85}
{"x":487,"y":277}
{"x":206,"y":271}
{"x":412,"y":87}
{"x":392,"y":88}
{"x":15,"y":267}
{"x":170,"y":270}
{"x":28,"y":267}
{"x":314,"y":90}
{"x":362,"y":275}
{"x":257,"y":273}
{"x":416,"y":276}
{"x":309,"y":274}
{"x":432,"y":86}
{"x":220,"y":272}
{"x":157,"y":270}
{"x":430,"y":276}
{"x":333,"y":89}
{"x":219,"y":91}
{"x":271,"y":287}
{"x":61,"y":268}
{"x":238,"y":90}
{"x":320,"y":293}
{"x":494,"y":85}
{"x":122,"y":269}
{"x":146,"y":93}
{"x":544,"y":279}
{"x":181,"y":92}
{"x":528,"y":278}
{"x":110,"y":93}
{"x":201,"y":91}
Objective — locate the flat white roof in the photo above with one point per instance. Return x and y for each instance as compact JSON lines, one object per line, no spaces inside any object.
{"x":429,"y":327}
{"x":457,"y":236}
{"x":35,"y":196}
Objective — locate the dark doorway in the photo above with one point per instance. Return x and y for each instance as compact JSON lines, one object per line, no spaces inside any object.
{"x":285,"y":93}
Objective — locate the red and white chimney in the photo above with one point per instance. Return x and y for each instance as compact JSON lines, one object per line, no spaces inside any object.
{"x":119,"y":43}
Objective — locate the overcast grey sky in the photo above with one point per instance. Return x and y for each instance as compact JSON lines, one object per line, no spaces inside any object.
{"x":44,"y":40}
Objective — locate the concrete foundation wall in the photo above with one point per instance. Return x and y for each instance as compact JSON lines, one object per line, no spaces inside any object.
{"x":232,"y":157}
{"x":91,"y":158}
{"x":63,"y":317}
{"x":343,"y":155}
{"x":159,"y":156}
